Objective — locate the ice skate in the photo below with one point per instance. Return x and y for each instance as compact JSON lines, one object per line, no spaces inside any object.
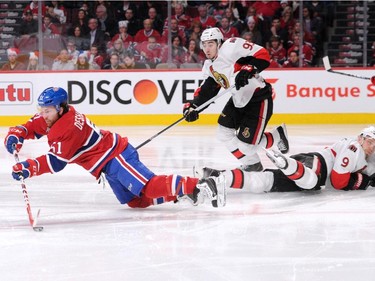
{"x":212,"y":188}
{"x":277,"y":158}
{"x":283,"y":143}
{"x":257,"y":167}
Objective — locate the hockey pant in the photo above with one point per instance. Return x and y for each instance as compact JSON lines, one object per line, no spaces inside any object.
{"x":133,"y":183}
{"x":242,"y":129}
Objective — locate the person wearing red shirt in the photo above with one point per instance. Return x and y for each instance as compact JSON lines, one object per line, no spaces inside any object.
{"x":147,"y":31}
{"x":74,"y":139}
{"x":276,"y":50}
{"x":123,"y":34}
{"x":184,"y":21}
{"x":175,"y":31}
{"x":204,"y":19}
{"x":151,"y":51}
{"x":227,"y":30}
{"x":48,"y":27}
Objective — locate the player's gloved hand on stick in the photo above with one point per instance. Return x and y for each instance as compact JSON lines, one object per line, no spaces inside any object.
{"x":25,"y":169}
{"x":14,"y":140}
{"x":190,"y":114}
{"x":243,"y":76}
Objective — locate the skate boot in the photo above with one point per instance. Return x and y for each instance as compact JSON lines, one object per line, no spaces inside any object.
{"x":277,"y":158}
{"x":212,"y":188}
{"x":283,"y":143}
{"x":257,"y":167}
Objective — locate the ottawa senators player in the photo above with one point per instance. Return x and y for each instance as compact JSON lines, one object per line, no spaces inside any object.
{"x":73,"y":138}
{"x":245,"y":116}
{"x":346,"y":165}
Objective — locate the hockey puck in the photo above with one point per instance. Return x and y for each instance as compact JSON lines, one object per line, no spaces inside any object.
{"x":373,"y":80}
{"x":38,"y":228}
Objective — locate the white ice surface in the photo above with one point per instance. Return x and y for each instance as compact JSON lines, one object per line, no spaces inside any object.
{"x":88,"y":235}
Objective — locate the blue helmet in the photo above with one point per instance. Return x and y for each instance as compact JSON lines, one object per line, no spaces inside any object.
{"x":53,"y":96}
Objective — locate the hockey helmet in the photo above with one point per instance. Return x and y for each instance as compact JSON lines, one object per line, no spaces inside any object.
{"x":368,"y":132}
{"x":213,"y":33}
{"x":54,"y":96}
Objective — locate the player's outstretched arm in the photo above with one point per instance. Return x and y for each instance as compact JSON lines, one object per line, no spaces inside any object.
{"x":14,"y":139}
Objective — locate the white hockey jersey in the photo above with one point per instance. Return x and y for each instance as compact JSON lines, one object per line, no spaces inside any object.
{"x":346,"y":156}
{"x":225,"y":68}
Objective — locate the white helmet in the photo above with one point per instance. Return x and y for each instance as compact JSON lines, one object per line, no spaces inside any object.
{"x":368,"y":132}
{"x":213,"y":33}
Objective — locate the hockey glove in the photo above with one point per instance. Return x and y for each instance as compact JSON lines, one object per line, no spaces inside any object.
{"x":190,"y":114}
{"x":25,"y":169}
{"x":243,"y":76}
{"x":14,"y":140}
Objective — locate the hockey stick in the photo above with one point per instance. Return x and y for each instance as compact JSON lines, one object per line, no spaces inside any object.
{"x":32,"y":221}
{"x":207,"y":103}
{"x":328,"y":68}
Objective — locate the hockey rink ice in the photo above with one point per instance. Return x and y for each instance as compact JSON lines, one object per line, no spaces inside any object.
{"x":88,"y":235}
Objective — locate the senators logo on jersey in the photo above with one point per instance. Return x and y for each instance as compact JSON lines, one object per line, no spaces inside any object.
{"x":221,"y":79}
{"x":246,"y":133}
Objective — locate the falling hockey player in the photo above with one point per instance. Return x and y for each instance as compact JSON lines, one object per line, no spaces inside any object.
{"x":246,"y":114}
{"x":73,"y":138}
{"x":348,"y":164}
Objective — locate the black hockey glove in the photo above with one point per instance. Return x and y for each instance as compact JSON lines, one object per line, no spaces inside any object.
{"x":190,"y":114}
{"x":243,"y":76}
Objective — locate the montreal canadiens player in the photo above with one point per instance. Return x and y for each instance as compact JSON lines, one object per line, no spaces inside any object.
{"x":73,"y":138}
{"x":245,"y":116}
{"x":348,"y":164}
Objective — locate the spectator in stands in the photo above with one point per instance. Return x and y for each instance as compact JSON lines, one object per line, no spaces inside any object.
{"x":195,"y":31}
{"x":114,"y":62}
{"x":33,"y":7}
{"x":147,"y":31}
{"x":118,"y":48}
{"x":175,"y":31}
{"x":184,"y":21}
{"x":276,"y":30}
{"x":287,"y":21}
{"x":279,"y":11}
{"x":277,"y":51}
{"x":12,"y":63}
{"x":80,"y":41}
{"x":121,"y":7}
{"x":130,"y":63}
{"x":248,"y":36}
{"x":110,"y":8}
{"x":63,"y":61}
{"x":233,"y":21}
{"x":97,"y":36}
{"x":82,"y":22}
{"x":227,"y":30}
{"x":133,"y":23}
{"x":206,"y":20}
{"x":72,"y":51}
{"x":123,"y":35}
{"x":34,"y":62}
{"x":105,"y":23}
{"x":194,"y":53}
{"x":307,"y":49}
{"x":95,"y":59}
{"x":178,"y":52}
{"x":293,"y":60}
{"x":150,"y":52}
{"x":145,"y":6}
{"x":49,"y":28}
{"x":29,"y":25}
{"x":253,"y":28}
{"x":83,"y":62}
{"x":266,"y":8}
{"x":157,"y":23}
{"x":57,"y":12}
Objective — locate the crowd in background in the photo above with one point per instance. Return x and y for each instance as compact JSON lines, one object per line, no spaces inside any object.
{"x":134,"y":34}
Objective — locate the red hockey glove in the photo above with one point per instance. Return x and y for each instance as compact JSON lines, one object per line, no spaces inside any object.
{"x":14,"y":140}
{"x":25,"y":169}
{"x":190,"y":114}
{"x":243,"y":76}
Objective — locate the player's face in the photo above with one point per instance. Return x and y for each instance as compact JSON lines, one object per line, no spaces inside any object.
{"x":210,"y":49}
{"x":49,"y":114}
{"x":368,"y":146}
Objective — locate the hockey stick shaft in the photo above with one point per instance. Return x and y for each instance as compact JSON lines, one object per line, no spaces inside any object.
{"x":202,"y":106}
{"x":328,"y":68}
{"x":26,"y":199}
